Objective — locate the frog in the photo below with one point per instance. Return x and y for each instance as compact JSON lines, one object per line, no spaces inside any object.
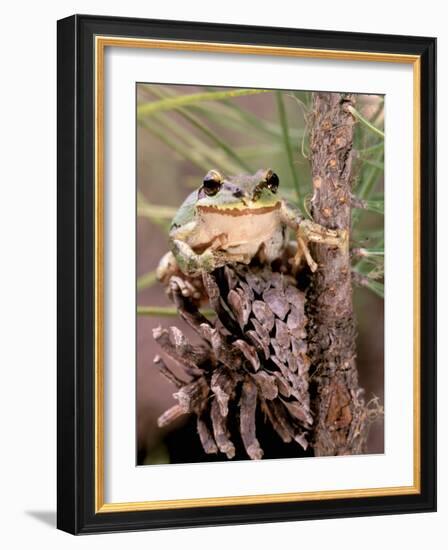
{"x":233,"y":219}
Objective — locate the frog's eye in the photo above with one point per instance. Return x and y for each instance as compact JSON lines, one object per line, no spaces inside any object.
{"x":272,"y":181}
{"x":212,"y":183}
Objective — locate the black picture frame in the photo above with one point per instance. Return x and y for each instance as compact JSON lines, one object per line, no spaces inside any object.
{"x":76,"y":286}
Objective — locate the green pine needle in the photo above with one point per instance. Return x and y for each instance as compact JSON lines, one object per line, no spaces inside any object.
{"x":160,"y":311}
{"x":364,"y":121}
{"x":169,"y":103}
{"x":287,"y":144}
{"x":147,"y":280}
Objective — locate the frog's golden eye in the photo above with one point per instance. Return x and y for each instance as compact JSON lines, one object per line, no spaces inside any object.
{"x":272,"y":181}
{"x":212,"y":182}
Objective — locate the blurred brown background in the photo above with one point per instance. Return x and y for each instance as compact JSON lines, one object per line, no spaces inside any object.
{"x":164,"y":178}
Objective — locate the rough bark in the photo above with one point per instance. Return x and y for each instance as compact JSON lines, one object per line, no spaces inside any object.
{"x":341,"y":418}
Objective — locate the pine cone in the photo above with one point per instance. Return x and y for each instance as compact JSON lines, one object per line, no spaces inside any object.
{"x":254,"y":354}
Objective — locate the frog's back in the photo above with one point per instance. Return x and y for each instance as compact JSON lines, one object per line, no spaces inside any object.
{"x":186,"y":212}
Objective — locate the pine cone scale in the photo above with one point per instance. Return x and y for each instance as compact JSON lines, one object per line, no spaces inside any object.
{"x":254,"y":357}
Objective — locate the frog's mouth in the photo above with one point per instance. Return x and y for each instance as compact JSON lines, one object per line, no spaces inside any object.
{"x":248,"y":209}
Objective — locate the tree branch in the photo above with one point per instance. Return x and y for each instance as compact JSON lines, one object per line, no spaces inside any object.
{"x":341,"y":419}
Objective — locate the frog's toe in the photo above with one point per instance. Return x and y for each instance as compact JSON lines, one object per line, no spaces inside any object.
{"x":166,"y":268}
{"x":184,"y":287}
{"x":304,"y":251}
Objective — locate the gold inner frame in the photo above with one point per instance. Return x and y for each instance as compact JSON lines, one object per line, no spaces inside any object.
{"x":101,"y":42}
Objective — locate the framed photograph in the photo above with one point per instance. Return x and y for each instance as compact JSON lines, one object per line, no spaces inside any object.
{"x":246,"y":274}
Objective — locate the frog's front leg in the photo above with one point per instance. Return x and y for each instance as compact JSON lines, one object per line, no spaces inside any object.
{"x":187,"y":260}
{"x":307,"y":230}
{"x":192,"y":263}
